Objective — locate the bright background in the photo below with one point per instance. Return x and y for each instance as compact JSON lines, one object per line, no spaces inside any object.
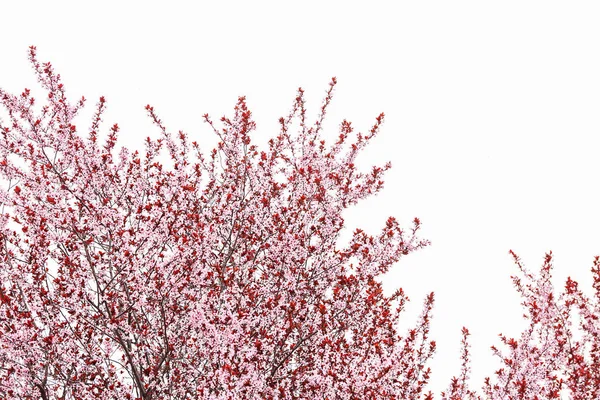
{"x":491,"y":120}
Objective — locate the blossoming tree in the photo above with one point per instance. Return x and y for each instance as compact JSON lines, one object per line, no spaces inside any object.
{"x":547,"y":362}
{"x":167,"y":289}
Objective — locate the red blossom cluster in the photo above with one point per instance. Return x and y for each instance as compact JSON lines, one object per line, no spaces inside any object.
{"x":546,"y":362}
{"x":121,"y":279}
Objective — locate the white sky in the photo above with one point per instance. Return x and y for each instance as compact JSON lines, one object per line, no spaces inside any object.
{"x":491,"y":125}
